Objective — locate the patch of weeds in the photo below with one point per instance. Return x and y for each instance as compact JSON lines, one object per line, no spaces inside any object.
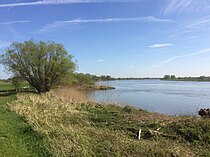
{"x":154,"y":125}
{"x":192,"y":129}
{"x":102,"y":116}
{"x":205,"y":153}
{"x":130,"y":109}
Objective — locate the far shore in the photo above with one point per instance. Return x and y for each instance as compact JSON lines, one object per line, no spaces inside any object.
{"x":188,"y":80}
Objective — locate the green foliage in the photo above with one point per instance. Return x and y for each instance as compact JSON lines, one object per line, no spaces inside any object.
{"x":16,"y":83}
{"x":104,"y":78}
{"x":84,"y":79}
{"x":7,"y":85}
{"x":167,"y":77}
{"x":193,"y":130}
{"x":41,"y":64}
{"x":78,"y":79}
{"x":174,"y":78}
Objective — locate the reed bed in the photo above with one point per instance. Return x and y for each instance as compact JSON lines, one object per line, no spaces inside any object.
{"x":70,"y":94}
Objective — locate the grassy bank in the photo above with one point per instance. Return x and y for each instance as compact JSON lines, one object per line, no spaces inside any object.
{"x":7,"y":85}
{"x":4,"y":85}
{"x":17,"y":137}
{"x":78,"y":127}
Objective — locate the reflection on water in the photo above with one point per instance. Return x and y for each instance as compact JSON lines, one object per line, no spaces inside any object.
{"x":169,"y":97}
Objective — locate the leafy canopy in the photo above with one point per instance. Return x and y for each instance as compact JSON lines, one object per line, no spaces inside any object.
{"x":41,"y":64}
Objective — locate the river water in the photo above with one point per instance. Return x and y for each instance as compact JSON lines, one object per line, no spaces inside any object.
{"x":168,"y":97}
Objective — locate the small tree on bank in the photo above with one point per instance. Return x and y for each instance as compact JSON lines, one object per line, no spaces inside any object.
{"x":41,"y":64}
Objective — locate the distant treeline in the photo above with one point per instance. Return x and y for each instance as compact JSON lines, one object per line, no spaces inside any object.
{"x":81,"y":79}
{"x":174,"y":78}
{"x":134,"y":78}
{"x":109,"y":78}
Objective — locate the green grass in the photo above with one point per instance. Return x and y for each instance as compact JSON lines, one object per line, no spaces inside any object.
{"x":17,"y":138}
{"x":75,"y":128}
{"x":5,"y":85}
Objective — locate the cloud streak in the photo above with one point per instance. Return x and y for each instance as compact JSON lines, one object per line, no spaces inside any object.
{"x":13,"y":22}
{"x":203,"y":51}
{"x":108,"y":20}
{"x":160,"y":45}
{"x":199,"y":23}
{"x":60,"y":2}
{"x":101,"y":60}
{"x":57,"y":24}
{"x":180,"y":6}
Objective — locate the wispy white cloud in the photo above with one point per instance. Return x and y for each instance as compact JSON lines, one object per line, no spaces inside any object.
{"x":13,"y":22}
{"x":178,"y":33}
{"x":186,"y":6}
{"x":57,"y":24}
{"x":160,"y":45}
{"x":177,"y":5}
{"x":199,"y":23}
{"x":59,"y":2}
{"x":108,"y":20}
{"x":183,"y":56}
{"x":101,"y":60}
{"x":191,"y":38}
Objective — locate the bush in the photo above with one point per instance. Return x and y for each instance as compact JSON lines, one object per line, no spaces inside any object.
{"x":78,"y":79}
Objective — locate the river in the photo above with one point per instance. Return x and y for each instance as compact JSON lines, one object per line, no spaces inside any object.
{"x":168,"y":97}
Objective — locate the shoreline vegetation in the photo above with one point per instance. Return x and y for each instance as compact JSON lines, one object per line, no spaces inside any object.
{"x":88,"y":81}
{"x":100,"y":87}
{"x":44,"y":112}
{"x":196,"y":79}
{"x":68,"y":124}
{"x":71,"y":125}
{"x":95,"y":78}
{"x":78,"y":81}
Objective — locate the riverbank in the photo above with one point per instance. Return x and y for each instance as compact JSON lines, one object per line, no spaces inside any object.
{"x":93,"y":87}
{"x":79,"y":127}
{"x":17,"y":137}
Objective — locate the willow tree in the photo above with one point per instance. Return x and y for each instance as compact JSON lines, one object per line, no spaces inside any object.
{"x":41,"y":64}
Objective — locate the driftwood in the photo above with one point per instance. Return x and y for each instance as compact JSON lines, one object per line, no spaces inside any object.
{"x":204,"y":112}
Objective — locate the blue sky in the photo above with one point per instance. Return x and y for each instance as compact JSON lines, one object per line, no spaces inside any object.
{"x":121,"y":38}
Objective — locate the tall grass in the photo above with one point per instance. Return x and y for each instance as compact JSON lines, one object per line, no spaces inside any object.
{"x":70,"y":94}
{"x":74,"y":126}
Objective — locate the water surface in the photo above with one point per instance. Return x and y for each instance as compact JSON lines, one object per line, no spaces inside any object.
{"x":168,"y":97}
